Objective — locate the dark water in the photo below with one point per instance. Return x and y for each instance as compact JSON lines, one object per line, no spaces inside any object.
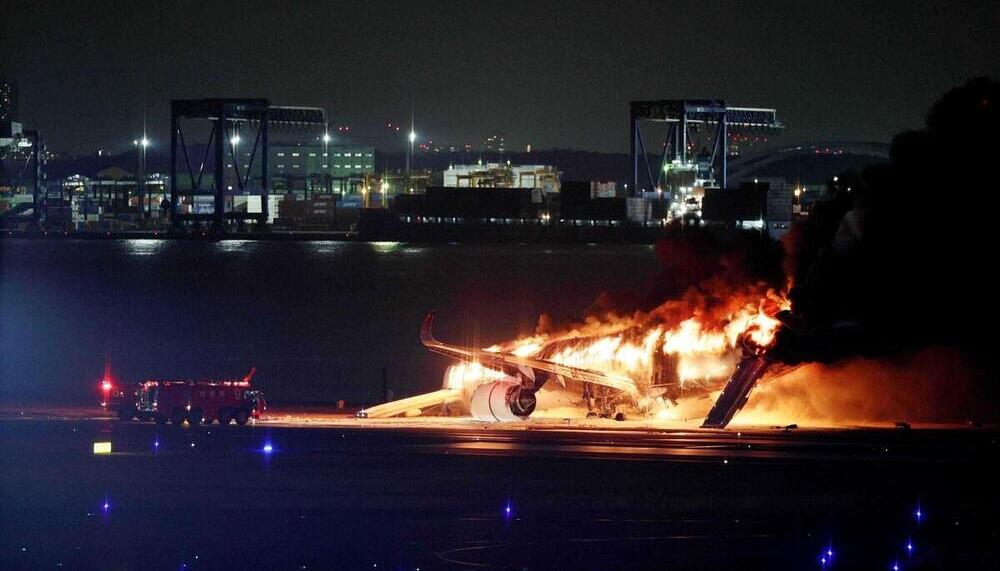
{"x":320,"y":320}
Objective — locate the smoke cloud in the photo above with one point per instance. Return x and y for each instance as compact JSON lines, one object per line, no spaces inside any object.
{"x":897,"y":258}
{"x":934,"y":385}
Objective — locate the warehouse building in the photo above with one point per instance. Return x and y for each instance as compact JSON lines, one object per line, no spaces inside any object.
{"x":320,"y":168}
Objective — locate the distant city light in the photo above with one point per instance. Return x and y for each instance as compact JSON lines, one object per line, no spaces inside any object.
{"x":413,"y":136}
{"x":144,"y":142}
{"x":326,"y":137}
{"x":235,"y":140}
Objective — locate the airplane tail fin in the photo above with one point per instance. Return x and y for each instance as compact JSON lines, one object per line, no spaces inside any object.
{"x":426,"y":337}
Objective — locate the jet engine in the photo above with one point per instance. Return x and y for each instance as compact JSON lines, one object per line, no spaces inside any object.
{"x":502,"y":401}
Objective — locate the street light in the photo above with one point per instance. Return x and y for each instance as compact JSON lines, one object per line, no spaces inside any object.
{"x":409,"y":157}
{"x":140,"y":146}
{"x":327,"y":180}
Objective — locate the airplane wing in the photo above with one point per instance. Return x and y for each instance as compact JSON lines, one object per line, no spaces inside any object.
{"x":512,"y":364}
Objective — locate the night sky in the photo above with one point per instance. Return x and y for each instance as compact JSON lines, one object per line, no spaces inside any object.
{"x":545,"y":73}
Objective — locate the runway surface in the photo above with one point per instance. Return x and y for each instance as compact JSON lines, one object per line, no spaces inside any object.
{"x":323,"y":491}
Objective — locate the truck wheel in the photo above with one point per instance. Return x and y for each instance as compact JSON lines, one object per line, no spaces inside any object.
{"x":126,"y":412}
{"x":195,"y":416}
{"x":177,"y":416}
{"x":242,"y":416}
{"x":160,"y":418}
{"x":225,"y":416}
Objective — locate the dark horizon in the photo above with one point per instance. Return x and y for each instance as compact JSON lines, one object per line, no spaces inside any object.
{"x":548,"y":75}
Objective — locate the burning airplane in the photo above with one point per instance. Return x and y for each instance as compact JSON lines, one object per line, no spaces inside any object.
{"x":616,"y":367}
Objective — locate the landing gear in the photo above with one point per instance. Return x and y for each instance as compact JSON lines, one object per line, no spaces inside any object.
{"x":601,"y":403}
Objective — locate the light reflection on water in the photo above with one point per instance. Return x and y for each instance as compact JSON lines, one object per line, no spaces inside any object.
{"x":144,"y":247}
{"x":384,"y":247}
{"x":231,"y":246}
{"x":327,"y":247}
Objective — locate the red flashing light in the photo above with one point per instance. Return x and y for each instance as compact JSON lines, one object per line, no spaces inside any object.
{"x":106,"y":386}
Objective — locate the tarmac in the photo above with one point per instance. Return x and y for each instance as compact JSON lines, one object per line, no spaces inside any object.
{"x":315,"y":489}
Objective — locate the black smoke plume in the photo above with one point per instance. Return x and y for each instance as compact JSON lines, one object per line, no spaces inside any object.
{"x":902,"y":255}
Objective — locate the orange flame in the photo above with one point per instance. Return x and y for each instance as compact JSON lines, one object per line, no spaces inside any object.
{"x":701,"y":347}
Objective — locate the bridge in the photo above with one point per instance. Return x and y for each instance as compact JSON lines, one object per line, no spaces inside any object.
{"x":744,"y":166}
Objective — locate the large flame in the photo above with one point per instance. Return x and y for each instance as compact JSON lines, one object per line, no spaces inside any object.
{"x":686,"y":344}
{"x":462,"y":375}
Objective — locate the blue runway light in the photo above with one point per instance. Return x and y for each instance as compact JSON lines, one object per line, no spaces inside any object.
{"x":895,"y":567}
{"x":909,"y":546}
{"x":268,"y":448}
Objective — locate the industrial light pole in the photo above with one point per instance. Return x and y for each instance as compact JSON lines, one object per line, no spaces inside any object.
{"x":409,"y":157}
{"x":140,"y":145}
{"x":327,"y":180}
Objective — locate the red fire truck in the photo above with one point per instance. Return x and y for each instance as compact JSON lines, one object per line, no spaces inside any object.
{"x":193,"y":401}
